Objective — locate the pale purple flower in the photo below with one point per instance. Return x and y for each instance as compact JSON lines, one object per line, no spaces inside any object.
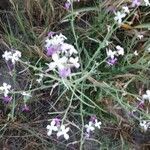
{"x":57,"y":121}
{"x":141,"y":105}
{"x":65,"y":72}
{"x":67,"y":5}
{"x":52,"y":49}
{"x":136,"y":3}
{"x":25,"y":108}
{"x":7,"y":99}
{"x":111,"y":61}
{"x":93,"y":118}
{"x":10,"y":65}
{"x":51,"y":33}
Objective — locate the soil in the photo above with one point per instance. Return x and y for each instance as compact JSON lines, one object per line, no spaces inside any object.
{"x":4,"y":4}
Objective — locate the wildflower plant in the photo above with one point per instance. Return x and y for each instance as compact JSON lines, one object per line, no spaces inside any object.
{"x":65,"y":74}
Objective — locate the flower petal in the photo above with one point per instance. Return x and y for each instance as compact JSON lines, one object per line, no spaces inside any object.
{"x":66,"y":136}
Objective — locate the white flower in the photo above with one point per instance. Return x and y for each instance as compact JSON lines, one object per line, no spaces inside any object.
{"x":120,"y":50}
{"x":51,"y":127}
{"x":89,"y":127}
{"x":126,"y":9}
{"x":110,"y":53}
{"x":48,"y":42}
{"x":119,"y":17}
{"x":55,"y":40}
{"x":13,"y":56}
{"x":63,"y":131}
{"x":57,"y":62}
{"x":97,"y":124}
{"x":135,"y":53}
{"x":68,"y":49}
{"x":7,"y":55}
{"x":144,"y":125}
{"x":17,"y":54}
{"x":5,"y":88}
{"x":74,"y":61}
{"x":140,"y":36}
{"x":147,"y":3}
{"x":147,"y":95}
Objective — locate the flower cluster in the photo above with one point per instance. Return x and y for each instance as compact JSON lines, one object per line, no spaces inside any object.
{"x":64,"y":55}
{"x":90,"y":127}
{"x":112,"y":55}
{"x":56,"y":126}
{"x":13,"y":56}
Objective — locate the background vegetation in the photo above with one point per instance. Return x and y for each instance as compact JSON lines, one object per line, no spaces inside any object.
{"x":109,"y":92}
